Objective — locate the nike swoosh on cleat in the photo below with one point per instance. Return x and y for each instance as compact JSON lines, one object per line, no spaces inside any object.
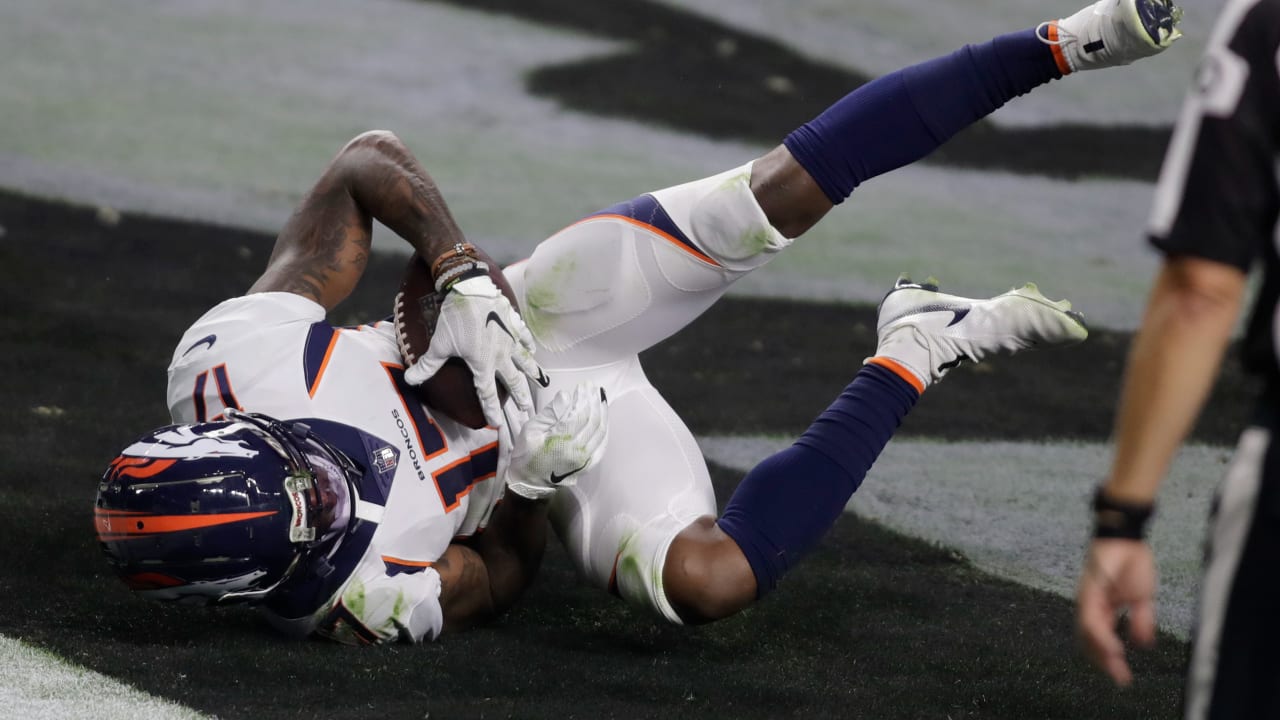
{"x":492,"y":317}
{"x":555,"y":479}
{"x":545,"y":381}
{"x":209,"y":339}
{"x":959,"y":315}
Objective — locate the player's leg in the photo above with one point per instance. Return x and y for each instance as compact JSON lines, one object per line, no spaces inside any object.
{"x":618,"y":520}
{"x":1236,"y":646}
{"x":642,"y":523}
{"x":631,"y":275}
{"x":626,"y":278}
{"x":790,"y":500}
{"x":596,"y":294}
{"x":905,"y":115}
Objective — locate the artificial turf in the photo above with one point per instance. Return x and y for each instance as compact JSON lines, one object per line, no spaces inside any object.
{"x":872,"y":625}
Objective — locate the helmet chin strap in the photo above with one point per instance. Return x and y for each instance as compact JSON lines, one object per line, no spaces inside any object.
{"x":246,"y":595}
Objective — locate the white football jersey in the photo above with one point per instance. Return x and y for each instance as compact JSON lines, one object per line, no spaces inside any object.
{"x":275,"y":353}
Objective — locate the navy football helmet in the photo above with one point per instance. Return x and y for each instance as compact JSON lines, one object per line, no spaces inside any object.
{"x":222,"y":511}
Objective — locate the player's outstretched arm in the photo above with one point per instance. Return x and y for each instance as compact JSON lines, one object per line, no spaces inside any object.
{"x":1172,"y":365}
{"x":484,"y":577}
{"x":323,"y":248}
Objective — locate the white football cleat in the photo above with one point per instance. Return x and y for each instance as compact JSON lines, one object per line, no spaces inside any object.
{"x":1111,"y":32}
{"x":929,"y":332}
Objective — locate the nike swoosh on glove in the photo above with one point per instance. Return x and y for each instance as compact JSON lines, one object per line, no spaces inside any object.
{"x":478,"y":324}
{"x":565,"y":438}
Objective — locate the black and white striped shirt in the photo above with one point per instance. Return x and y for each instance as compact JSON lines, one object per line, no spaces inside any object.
{"x":1218,"y":194}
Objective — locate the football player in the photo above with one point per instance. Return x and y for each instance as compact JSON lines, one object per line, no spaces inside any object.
{"x":364,"y":521}
{"x":641,"y":519}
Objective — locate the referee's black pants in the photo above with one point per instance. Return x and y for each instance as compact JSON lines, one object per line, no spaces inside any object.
{"x":1235,"y":657}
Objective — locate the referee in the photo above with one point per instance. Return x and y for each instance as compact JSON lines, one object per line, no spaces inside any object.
{"x":1214,"y":218}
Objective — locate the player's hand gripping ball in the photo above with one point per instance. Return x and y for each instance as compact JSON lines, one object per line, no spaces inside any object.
{"x":447,"y":338}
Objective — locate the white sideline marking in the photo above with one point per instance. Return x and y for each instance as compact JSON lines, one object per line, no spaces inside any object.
{"x":35,"y":684}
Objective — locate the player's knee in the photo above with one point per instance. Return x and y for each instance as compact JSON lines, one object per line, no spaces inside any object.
{"x":729,"y":225}
{"x":790,"y":198}
{"x":377,"y":141}
{"x":706,"y":577}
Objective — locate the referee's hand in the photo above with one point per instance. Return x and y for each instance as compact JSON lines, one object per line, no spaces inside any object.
{"x":1118,"y":575}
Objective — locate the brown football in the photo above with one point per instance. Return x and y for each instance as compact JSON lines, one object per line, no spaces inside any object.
{"x":451,"y":390}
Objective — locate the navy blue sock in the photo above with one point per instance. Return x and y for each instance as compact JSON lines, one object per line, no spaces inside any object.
{"x":899,"y":118}
{"x":789,"y":501}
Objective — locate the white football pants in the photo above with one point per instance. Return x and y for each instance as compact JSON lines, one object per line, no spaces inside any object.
{"x":595,"y":295}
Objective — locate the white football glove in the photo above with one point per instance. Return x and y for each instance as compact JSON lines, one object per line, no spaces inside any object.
{"x":478,"y":324}
{"x":566,"y":437}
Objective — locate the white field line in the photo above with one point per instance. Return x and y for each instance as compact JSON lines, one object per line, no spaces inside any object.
{"x":37,"y":685}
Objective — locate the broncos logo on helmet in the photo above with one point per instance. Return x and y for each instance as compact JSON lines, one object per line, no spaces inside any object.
{"x":223,"y":511}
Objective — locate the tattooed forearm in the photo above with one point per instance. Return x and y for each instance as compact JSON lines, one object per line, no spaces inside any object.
{"x":465,"y":597}
{"x":393,"y":187}
{"x":485,"y":577}
{"x":323,"y":249}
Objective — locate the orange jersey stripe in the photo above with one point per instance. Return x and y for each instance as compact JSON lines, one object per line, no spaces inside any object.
{"x":457,"y":499}
{"x":324,"y":364}
{"x":480,"y":451}
{"x":408,"y":563}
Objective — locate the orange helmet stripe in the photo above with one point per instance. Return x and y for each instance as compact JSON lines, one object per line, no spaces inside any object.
{"x":117,"y":525}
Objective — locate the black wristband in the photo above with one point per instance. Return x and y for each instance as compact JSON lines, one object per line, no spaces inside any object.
{"x":1117,"y":519}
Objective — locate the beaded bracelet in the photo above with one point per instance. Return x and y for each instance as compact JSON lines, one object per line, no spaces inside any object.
{"x":457,"y":272}
{"x":459,"y":251}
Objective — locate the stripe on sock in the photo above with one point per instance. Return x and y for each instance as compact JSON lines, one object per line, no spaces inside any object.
{"x":900,"y":370}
